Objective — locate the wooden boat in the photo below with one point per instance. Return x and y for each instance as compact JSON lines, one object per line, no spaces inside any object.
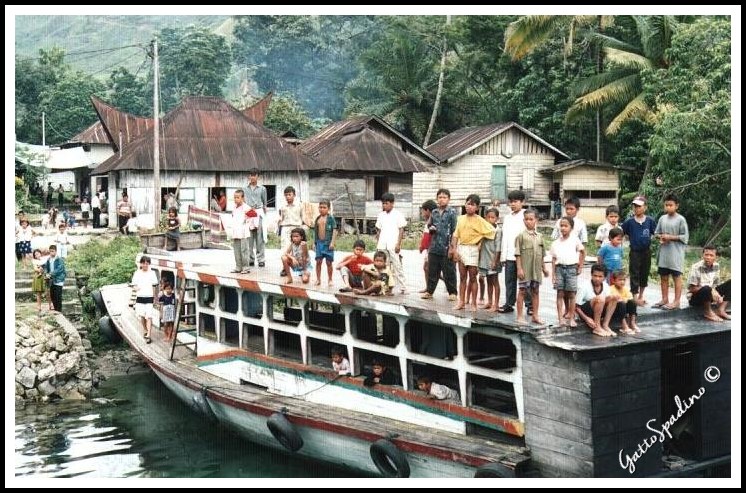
{"x":254,"y":354}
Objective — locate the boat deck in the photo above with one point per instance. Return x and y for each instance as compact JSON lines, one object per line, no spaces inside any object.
{"x":658,"y":326}
{"x":473,"y":450}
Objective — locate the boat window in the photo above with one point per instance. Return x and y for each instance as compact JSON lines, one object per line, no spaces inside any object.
{"x":228,"y":299}
{"x":166,"y":276}
{"x":285,"y":345}
{"x":491,"y":394}
{"x":207,"y":326}
{"x":284,"y":310}
{"x":364,"y":363}
{"x":325,"y":317}
{"x":251,"y":304}
{"x":375,"y":327}
{"x":228,"y":332}
{"x":206,"y":295}
{"x":437,"y":374}
{"x":496,"y":353}
{"x":321,"y":353}
{"x":433,"y":340}
{"x":253,"y":338}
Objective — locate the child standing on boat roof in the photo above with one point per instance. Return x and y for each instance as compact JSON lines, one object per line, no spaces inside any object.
{"x":390,"y":225}
{"x":529,"y":260}
{"x":436,"y":390}
{"x":172,"y":228}
{"x":240,"y":232}
{"x":168,"y":311}
{"x":295,"y":260}
{"x":339,"y":362}
{"x":325,"y":233}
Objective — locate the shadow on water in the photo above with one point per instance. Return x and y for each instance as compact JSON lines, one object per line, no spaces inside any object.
{"x":139,"y":429}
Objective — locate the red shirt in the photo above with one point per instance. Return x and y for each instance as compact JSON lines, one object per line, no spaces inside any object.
{"x":355,"y":264}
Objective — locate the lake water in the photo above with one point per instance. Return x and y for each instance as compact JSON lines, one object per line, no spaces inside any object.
{"x":142,"y":430}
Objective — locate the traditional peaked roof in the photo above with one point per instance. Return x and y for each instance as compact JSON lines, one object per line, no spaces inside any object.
{"x":115,"y":121}
{"x":568,"y":165}
{"x":462,"y":141}
{"x":362,"y":144}
{"x":208,"y":134}
{"x":258,"y":111}
{"x":95,"y":134}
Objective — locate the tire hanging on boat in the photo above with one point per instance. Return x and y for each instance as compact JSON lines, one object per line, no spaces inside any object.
{"x":107,"y":329}
{"x":494,"y":470}
{"x":206,"y":293}
{"x":284,"y":432}
{"x":200,"y":404}
{"x":98,"y":300}
{"x":390,"y":461}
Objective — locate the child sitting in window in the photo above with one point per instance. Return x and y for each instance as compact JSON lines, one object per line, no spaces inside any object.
{"x":436,"y":390}
{"x":339,"y":362}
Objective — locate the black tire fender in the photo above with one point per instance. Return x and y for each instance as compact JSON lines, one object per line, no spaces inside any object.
{"x":284,"y":432}
{"x":389,"y":460}
{"x":200,"y":404}
{"x":107,"y":329}
{"x":98,"y":300}
{"x":494,"y":470}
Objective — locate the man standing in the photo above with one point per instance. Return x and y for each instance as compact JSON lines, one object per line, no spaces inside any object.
{"x":255,"y":197}
{"x":96,"y":206}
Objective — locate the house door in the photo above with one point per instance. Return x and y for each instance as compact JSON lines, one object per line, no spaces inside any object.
{"x":498,"y":183}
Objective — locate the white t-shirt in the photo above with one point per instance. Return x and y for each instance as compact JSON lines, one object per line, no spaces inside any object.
{"x":566,"y":252}
{"x":512,"y":227}
{"x":389,"y":224}
{"x":586,"y":293}
{"x":342,"y":368}
{"x":144,"y":282}
{"x":578,"y":228}
{"x":441,"y":392}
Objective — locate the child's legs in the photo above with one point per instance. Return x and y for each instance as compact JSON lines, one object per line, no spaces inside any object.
{"x":610,"y":307}
{"x":482,"y":287}
{"x":329,"y":270}
{"x":535,"y":301}
{"x":38,"y":301}
{"x":570,"y":297}
{"x":678,"y":285}
{"x":472,"y":270}
{"x":493,"y":289}
{"x":396,"y":268}
{"x":664,"y":288}
{"x":463,"y":277}
{"x":318,"y":269}
{"x":519,"y":303}
{"x":560,"y":305}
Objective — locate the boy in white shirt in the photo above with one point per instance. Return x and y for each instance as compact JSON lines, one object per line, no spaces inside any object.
{"x":390,"y":225}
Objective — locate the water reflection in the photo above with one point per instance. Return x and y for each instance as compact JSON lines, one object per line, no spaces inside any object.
{"x":141,"y":430}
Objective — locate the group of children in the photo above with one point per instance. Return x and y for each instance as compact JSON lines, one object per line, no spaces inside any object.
{"x":480,"y":248}
{"x":379,"y":373}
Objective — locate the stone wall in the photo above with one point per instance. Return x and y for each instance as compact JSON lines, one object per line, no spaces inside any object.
{"x":51,"y":360}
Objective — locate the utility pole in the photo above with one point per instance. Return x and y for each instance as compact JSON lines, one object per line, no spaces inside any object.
{"x":43,"y":130}
{"x":156,"y":141}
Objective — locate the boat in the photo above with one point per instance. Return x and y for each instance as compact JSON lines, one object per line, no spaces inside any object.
{"x":253,"y":354}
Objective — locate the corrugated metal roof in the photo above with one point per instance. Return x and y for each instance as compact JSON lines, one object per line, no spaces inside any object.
{"x":95,"y":134}
{"x":258,"y":111}
{"x":464,"y":140}
{"x":115,"y":121}
{"x":360,"y":144}
{"x":568,"y":165}
{"x":208,"y":134}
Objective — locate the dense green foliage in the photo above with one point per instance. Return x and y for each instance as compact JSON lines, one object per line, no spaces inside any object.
{"x":652,"y":91}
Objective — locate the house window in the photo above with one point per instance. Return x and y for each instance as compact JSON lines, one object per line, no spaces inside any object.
{"x":271,"y":195}
{"x":376,"y":186}
{"x":603,"y":194}
{"x":528,"y":178}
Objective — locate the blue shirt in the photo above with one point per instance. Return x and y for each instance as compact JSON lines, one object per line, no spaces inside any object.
{"x":612,"y":258}
{"x":639,"y":234}
{"x":445,"y":222}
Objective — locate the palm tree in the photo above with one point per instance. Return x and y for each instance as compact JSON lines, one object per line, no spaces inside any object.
{"x":620,"y":87}
{"x":531,"y":31}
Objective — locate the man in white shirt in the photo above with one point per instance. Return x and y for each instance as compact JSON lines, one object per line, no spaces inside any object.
{"x":390,"y":225}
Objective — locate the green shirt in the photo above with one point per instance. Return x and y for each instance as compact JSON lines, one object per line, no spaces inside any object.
{"x":529,"y":245}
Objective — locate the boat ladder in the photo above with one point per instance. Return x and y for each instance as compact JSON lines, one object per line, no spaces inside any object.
{"x":186,"y":319}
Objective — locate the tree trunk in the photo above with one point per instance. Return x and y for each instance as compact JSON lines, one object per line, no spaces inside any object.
{"x":438,"y":95}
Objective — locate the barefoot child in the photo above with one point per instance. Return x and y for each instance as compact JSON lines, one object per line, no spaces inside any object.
{"x":390,"y":226}
{"x":377,"y":279}
{"x":295,"y":260}
{"x":325,"y":233}
{"x":38,"y":284}
{"x":639,"y":229}
{"x":489,"y":261}
{"x":471,"y":230}
{"x":705,"y":288}
{"x":351,"y":267}
{"x":594,"y":303}
{"x":568,"y":255}
{"x":626,"y":308}
{"x":529,"y":259}
{"x":673,"y":233}
{"x":168,"y":311}
{"x":427,"y":212}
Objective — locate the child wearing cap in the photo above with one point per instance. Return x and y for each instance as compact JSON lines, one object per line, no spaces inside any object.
{"x":640,"y":229}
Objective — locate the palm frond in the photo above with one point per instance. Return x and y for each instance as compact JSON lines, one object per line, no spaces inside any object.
{"x":635,"y":109}
{"x":627,"y":59}
{"x":658,"y":30}
{"x":528,"y":32}
{"x":620,"y":91}
{"x":612,"y":42}
{"x":598,"y":81}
